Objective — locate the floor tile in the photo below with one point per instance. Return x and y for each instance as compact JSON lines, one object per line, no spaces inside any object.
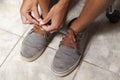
{"x":29,"y":29}
{"x":11,"y":20}
{"x":37,"y":70}
{"x":56,"y":41}
{"x":13,"y":2}
{"x":104,"y":49}
{"x":90,"y":72}
{"x":75,"y":10}
{"x":70,"y":76}
{"x":100,"y":63}
{"x":7,"y":42}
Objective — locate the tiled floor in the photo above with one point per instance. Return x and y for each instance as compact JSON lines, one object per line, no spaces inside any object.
{"x":101,"y":61}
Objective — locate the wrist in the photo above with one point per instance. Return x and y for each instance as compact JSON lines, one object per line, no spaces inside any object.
{"x":64,"y":3}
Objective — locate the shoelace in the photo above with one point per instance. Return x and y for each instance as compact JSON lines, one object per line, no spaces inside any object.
{"x":70,"y":39}
{"x":39,"y":30}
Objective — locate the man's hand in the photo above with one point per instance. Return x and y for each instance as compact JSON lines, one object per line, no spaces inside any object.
{"x":27,"y":7}
{"x":57,"y":16}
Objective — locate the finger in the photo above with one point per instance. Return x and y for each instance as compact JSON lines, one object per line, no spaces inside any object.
{"x":36,"y":13}
{"x":29,"y":17}
{"x":46,"y":19}
{"x":25,"y":21}
{"x":51,"y":27}
{"x":53,"y":31}
{"x":48,"y":28}
{"x":40,"y":19}
{"x":56,"y":24}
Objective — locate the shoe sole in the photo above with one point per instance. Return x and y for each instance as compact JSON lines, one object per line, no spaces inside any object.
{"x":71,"y":69}
{"x":34,"y":57}
{"x":65,"y":73}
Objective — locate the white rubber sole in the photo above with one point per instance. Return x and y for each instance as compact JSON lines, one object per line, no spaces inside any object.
{"x":71,"y":69}
{"x":34,"y":57}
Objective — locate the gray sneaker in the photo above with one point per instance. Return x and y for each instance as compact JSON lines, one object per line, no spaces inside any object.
{"x":70,"y":52}
{"x":35,"y":43}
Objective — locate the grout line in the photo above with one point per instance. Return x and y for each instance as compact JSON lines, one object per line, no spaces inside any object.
{"x":100,"y":67}
{"x":95,"y":66}
{"x":20,"y":37}
{"x":15,"y":33}
{"x":10,"y":32}
{"x":10,"y":51}
{"x":52,"y":48}
{"x":78,"y":68}
{"x":24,"y":33}
{"x":76,"y":72}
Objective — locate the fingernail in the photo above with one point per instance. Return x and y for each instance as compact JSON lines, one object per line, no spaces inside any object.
{"x":41,"y":22}
{"x":39,"y":19}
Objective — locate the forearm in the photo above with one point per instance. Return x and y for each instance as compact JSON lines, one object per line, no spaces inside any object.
{"x":64,"y":1}
{"x":91,"y":10}
{"x":64,"y":5}
{"x":45,"y":6}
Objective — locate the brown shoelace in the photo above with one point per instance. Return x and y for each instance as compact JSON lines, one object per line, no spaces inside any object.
{"x":38,"y":30}
{"x":70,"y":39}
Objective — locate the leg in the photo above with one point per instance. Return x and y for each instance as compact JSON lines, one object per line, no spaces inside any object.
{"x":91,"y":10}
{"x":73,"y":43}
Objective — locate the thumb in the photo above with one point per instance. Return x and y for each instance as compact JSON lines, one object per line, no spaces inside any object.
{"x":36,"y":13}
{"x":45,"y":20}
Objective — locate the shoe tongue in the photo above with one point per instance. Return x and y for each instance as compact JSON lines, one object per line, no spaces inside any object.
{"x":69,"y":39}
{"x":37,"y":29}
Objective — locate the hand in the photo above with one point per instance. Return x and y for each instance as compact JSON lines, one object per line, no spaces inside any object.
{"x":57,"y":16}
{"x":27,"y":7}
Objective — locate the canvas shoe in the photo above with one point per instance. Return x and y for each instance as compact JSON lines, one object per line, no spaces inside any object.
{"x":35,"y":43}
{"x":70,"y":52}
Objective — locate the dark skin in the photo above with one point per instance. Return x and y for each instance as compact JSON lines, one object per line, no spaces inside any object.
{"x":27,"y":7}
{"x":48,"y":13}
{"x":57,"y":14}
{"x":91,"y":10}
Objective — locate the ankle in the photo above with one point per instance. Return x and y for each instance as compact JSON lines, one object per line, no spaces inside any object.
{"x":76,"y":26}
{"x":75,"y":32}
